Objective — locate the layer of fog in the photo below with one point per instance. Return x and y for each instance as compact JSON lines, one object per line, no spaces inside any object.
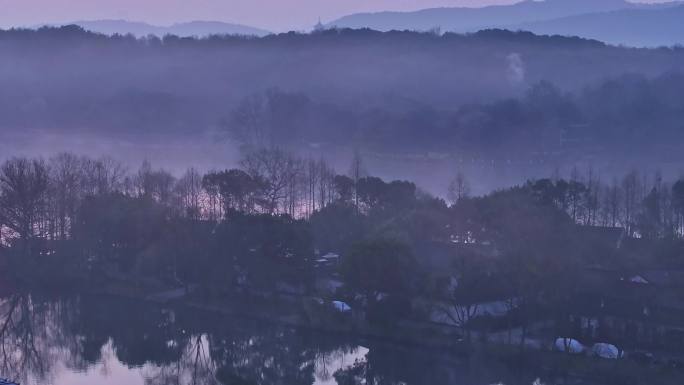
{"x":168,"y":100}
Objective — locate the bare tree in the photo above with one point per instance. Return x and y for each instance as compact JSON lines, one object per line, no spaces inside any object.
{"x":613,"y":203}
{"x":110,"y":174}
{"x":154,"y":184}
{"x":65,"y":186}
{"x":459,"y":188}
{"x":189,"y":193}
{"x":460,"y":314}
{"x":576,"y":194}
{"x":677,"y":202}
{"x":357,"y":171}
{"x":23,"y":187}
{"x":592,"y":198}
{"x":101,"y":176}
{"x":280,"y":171}
{"x":164,"y":184}
{"x":630,"y":188}
{"x":144,"y":180}
{"x":313,"y":178}
{"x":250,"y":123}
{"x":326,"y":183}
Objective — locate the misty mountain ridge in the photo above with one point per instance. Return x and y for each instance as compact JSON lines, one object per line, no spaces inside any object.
{"x":496,"y":94}
{"x":186,"y":29}
{"x":122,"y":85}
{"x":498,"y":16}
{"x":633,"y":27}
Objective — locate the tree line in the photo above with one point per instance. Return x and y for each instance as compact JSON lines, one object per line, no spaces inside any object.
{"x":41,"y":198}
{"x":264,"y":226}
{"x":645,"y":206}
{"x":614,"y":116}
{"x":73,"y":214}
{"x":175,"y":85}
{"x":68,"y":196}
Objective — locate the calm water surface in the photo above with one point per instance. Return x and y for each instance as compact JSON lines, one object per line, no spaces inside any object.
{"x":104,"y":340}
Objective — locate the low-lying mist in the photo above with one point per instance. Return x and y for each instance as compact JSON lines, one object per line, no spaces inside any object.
{"x":498,"y":106}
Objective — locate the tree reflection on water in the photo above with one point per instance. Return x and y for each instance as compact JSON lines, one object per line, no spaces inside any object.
{"x":42,"y":339}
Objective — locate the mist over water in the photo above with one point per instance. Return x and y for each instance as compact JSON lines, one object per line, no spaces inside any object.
{"x":431,"y":171}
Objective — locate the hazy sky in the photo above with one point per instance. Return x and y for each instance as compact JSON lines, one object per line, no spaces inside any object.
{"x":275,"y":15}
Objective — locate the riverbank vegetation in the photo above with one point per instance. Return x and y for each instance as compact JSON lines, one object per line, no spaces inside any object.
{"x":575,"y":258}
{"x":51,"y":336}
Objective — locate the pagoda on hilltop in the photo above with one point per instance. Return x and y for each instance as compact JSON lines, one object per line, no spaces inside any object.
{"x":319,"y":27}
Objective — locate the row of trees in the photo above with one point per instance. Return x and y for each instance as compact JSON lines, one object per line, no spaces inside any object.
{"x":390,"y":108}
{"x":41,"y":198}
{"x":45,"y":199}
{"x":221,"y":227}
{"x":622,"y":113}
{"x":258,"y":228}
{"x":645,"y":206}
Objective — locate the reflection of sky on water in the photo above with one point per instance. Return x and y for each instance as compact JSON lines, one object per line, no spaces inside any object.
{"x":96,"y":340}
{"x":110,"y":371}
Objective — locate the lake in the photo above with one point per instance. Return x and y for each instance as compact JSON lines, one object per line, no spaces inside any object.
{"x":103,"y":340}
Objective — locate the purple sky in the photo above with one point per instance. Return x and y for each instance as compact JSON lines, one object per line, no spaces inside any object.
{"x":275,"y":15}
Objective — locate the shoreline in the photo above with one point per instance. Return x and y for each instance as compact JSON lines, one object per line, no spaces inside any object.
{"x":579,"y":368}
{"x":551,"y":365}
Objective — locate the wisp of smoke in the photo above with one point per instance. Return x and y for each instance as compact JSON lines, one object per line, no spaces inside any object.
{"x":515,"y":68}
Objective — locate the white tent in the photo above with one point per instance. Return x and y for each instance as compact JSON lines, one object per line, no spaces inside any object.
{"x":569,"y":345}
{"x":341,"y":306}
{"x":606,"y":351}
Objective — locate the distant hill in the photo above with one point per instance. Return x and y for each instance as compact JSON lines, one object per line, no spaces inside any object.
{"x":194,"y":28}
{"x":632,"y":27}
{"x":190,"y":86}
{"x":550,"y":16}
